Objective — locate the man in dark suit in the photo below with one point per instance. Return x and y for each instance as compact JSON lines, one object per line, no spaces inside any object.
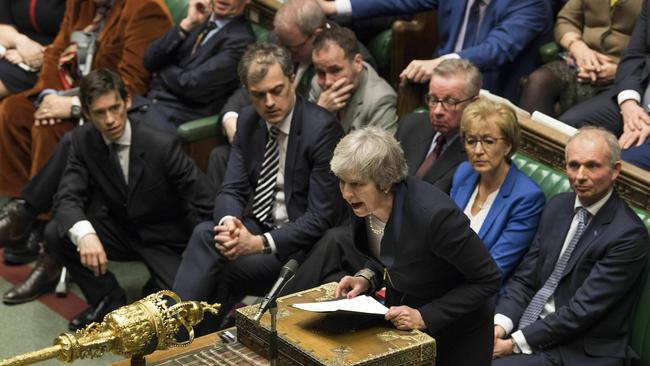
{"x":623,"y":109}
{"x":128,"y":193}
{"x":194,"y":69}
{"x":569,"y":301}
{"x":195,"y":63}
{"x":278,"y":195}
{"x":432,"y":145}
{"x":500,"y":37}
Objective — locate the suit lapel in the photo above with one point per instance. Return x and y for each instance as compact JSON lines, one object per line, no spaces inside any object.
{"x":449,"y":159}
{"x":500,"y":201}
{"x":100,"y":156}
{"x":137,"y":160}
{"x":595,"y":228}
{"x":466,"y":189}
{"x":295,"y":134}
{"x":456,"y":19}
{"x":555,"y":237}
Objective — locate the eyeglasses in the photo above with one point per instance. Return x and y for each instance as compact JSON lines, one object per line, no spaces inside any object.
{"x":447,"y":104}
{"x":487,"y":142}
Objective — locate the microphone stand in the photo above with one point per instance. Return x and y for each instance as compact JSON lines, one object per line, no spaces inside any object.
{"x":273,"y":339}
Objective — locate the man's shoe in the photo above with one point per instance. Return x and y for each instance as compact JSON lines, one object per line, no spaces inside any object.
{"x":97,"y":313}
{"x":41,"y":280}
{"x":28,"y":252}
{"x":15,"y":223}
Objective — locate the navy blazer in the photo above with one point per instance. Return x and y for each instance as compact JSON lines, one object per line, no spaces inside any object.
{"x":166,"y":195}
{"x":440,"y":267}
{"x":195,"y":85}
{"x":509,"y":38}
{"x":415,"y":134}
{"x":512,"y":220}
{"x":597,"y":291}
{"x":634,"y":69}
{"x":312,"y":195}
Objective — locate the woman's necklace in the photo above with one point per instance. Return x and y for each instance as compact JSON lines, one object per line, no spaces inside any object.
{"x":376,"y":228}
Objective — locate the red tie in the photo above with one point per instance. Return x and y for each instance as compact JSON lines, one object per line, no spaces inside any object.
{"x":431,"y":158}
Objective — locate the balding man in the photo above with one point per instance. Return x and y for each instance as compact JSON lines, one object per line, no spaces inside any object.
{"x":570,"y":300}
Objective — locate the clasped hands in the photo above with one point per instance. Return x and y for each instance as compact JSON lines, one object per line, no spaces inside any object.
{"x":502,"y":346}
{"x":232,"y":239}
{"x":403,"y":317}
{"x":592,"y":67}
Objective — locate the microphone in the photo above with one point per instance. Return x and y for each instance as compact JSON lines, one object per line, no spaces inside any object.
{"x":286,"y":274}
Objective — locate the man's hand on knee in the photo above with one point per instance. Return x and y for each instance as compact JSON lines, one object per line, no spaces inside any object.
{"x":92,"y":254}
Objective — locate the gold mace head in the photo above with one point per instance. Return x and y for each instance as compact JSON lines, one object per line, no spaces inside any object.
{"x":136,"y":329}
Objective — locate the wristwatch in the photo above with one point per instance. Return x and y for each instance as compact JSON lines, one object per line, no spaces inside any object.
{"x":266,"y":246}
{"x":515,"y":347}
{"x":75,"y":108}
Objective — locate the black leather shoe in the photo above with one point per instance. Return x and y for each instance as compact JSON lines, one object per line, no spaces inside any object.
{"x":97,"y":313}
{"x":15,"y":223}
{"x":28,"y":252}
{"x":42,"y":280}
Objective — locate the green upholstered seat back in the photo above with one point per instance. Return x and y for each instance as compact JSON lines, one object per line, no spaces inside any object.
{"x":551,"y":181}
{"x":178,"y":9}
{"x":261,"y":33}
{"x":380,"y":48}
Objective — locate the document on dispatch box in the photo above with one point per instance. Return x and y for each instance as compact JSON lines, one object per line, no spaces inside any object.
{"x":360,"y":304}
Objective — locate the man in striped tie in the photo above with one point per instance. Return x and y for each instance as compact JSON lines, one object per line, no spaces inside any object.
{"x":570,"y":300}
{"x":278,"y":196}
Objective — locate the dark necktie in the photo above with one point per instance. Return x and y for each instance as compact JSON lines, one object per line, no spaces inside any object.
{"x":473,"y":20}
{"x":265,"y":190}
{"x":538,"y":301}
{"x":115,"y":160}
{"x":432,"y":157}
{"x":209,"y":26}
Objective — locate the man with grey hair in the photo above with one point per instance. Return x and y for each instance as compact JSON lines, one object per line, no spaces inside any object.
{"x":570,"y":300}
{"x":278,"y":195}
{"x":432,"y":145}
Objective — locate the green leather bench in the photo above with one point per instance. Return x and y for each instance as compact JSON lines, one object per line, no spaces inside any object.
{"x":553,"y":181}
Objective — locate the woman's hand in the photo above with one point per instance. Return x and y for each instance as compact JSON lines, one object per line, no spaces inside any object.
{"x":351,"y":287}
{"x":405,"y":318}
{"x":587,"y":61}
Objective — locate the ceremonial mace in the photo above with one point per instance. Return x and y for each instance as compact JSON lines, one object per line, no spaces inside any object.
{"x":134,"y":330}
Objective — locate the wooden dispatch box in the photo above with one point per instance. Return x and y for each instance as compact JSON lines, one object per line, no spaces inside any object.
{"x":306,"y":338}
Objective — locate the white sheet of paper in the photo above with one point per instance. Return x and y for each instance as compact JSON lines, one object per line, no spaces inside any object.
{"x":360,"y":304}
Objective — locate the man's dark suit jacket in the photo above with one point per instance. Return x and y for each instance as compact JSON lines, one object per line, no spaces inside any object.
{"x":597,"y":291}
{"x":188,"y":86}
{"x":165,"y":197}
{"x":312,"y":195}
{"x":415,"y":134}
{"x":440,"y":268}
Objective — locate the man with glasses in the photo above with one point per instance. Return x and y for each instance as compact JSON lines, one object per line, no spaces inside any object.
{"x":128,"y":192}
{"x":432,"y":145}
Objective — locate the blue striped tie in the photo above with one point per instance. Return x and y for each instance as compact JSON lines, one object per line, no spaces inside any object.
{"x":266,"y":183}
{"x":541,"y":297}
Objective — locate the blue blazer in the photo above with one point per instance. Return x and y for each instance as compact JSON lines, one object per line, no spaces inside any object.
{"x":512,"y":220}
{"x":509,"y":38}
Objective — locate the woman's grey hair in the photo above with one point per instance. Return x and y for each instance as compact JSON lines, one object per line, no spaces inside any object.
{"x":614,"y":148}
{"x":370,"y":154}
{"x":255,"y":63}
